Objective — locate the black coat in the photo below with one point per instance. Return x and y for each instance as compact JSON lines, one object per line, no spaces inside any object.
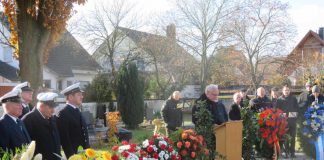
{"x":44,"y":132}
{"x":259,"y":104}
{"x":171,"y":115}
{"x":73,"y":130}
{"x":312,"y":99}
{"x":25,"y":110}
{"x":235,"y":112}
{"x":217,"y":109}
{"x":11,"y":135}
{"x":245,"y":101}
{"x":288,"y":104}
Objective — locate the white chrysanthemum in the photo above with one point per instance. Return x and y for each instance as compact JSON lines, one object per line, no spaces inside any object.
{"x":132,"y":156}
{"x":304,"y":123}
{"x":166,"y":156}
{"x":161,"y":154}
{"x":315,"y":128}
{"x":163,"y":142}
{"x":154,"y":148}
{"x":314,"y":115}
{"x":146,"y":143}
{"x":123,"y":148}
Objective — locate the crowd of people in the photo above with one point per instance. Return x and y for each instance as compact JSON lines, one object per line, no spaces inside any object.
{"x":21,"y":123}
{"x":282,"y":99}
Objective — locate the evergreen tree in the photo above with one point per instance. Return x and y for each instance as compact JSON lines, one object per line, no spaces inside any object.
{"x":130,"y":96}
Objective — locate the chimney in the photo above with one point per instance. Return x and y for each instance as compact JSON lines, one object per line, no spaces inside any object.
{"x":171,"y":31}
{"x":321,"y":32}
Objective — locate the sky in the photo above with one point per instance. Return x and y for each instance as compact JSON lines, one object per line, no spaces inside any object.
{"x":305,"y":14}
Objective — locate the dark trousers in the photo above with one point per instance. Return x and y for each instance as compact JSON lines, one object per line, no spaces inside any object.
{"x":292,"y":125}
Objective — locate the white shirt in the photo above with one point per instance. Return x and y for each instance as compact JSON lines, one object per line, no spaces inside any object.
{"x":72,"y":105}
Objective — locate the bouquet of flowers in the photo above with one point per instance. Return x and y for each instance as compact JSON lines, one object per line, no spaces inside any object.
{"x":158,"y":148}
{"x":191,"y":145}
{"x":91,"y":154}
{"x":272,"y":127}
{"x":314,"y":121}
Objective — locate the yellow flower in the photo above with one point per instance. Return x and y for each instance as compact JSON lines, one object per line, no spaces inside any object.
{"x":75,"y":157}
{"x":106,"y":155}
{"x":91,"y":153}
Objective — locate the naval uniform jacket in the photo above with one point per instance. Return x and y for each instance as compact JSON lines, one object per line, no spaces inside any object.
{"x":12,"y":135}
{"x":45,"y":134}
{"x":73,"y":130}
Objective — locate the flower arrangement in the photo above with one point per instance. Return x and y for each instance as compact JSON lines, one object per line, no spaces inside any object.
{"x":314,"y":121}
{"x":191,"y":145}
{"x":156,"y":148}
{"x":272,"y":125}
{"x":112,"y":120}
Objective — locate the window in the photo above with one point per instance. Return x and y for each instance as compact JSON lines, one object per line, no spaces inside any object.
{"x":7,"y":55}
{"x":47,"y":83}
{"x":59,"y":84}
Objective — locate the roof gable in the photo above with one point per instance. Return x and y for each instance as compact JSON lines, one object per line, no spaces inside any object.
{"x":8,"y":72}
{"x":67,"y":55}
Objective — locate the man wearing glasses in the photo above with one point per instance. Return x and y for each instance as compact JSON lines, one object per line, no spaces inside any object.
{"x":216,"y":107}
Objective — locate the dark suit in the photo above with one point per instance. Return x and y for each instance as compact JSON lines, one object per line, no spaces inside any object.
{"x":11,"y":134}
{"x":45,"y":134}
{"x":73,"y":130}
{"x":25,"y":110}
{"x":235,"y":112}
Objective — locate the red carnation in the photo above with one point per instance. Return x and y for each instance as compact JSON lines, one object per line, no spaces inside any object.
{"x":151,"y":142}
{"x":162,"y":146}
{"x":124,"y":142}
{"x":114,"y":157}
{"x":149,"y":148}
{"x":170,"y":149}
{"x":173,"y":157}
{"x":115,"y":148}
{"x":125,"y":154}
{"x":155,"y":155}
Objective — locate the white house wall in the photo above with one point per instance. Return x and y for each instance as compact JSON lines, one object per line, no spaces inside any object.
{"x":50,"y":75}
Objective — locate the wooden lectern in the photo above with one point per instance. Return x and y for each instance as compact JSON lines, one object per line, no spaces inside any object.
{"x":229,"y":140}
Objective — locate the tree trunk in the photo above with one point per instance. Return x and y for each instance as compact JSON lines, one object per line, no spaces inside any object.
{"x":33,"y":38}
{"x":204,"y":72}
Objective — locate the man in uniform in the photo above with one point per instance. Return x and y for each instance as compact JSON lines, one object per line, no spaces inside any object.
{"x":41,"y":126}
{"x":13,"y":133}
{"x":27,"y":97}
{"x":72,"y":127}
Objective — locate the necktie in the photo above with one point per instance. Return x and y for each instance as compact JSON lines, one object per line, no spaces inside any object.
{"x":23,"y":130}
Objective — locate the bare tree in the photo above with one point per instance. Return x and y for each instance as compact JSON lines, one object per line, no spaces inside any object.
{"x":101,"y":29}
{"x":262,"y":29}
{"x":202,"y":25}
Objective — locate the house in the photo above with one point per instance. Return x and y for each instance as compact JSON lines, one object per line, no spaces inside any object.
{"x":306,"y":59}
{"x":68,"y":62}
{"x":151,"y":52}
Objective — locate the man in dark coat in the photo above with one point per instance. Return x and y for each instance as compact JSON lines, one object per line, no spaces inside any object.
{"x":288,"y":104}
{"x":71,"y":124}
{"x":42,"y":128}
{"x":26,"y":96}
{"x":303,"y":99}
{"x":216,"y":108}
{"x":316,"y":96}
{"x":245,"y":99}
{"x":172,"y":115}
{"x":261,"y":102}
{"x":13,"y":133}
